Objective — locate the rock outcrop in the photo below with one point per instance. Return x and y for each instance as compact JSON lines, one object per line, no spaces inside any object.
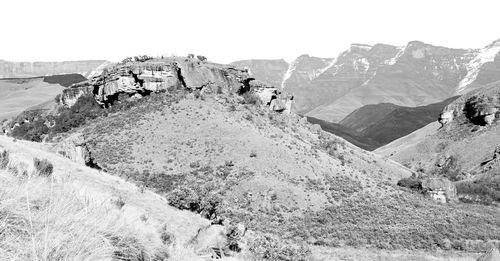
{"x":433,"y":186}
{"x":480,"y":107}
{"x":155,"y":76}
{"x":74,"y":148}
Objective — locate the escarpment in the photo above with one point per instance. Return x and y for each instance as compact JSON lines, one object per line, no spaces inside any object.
{"x":156,"y":76}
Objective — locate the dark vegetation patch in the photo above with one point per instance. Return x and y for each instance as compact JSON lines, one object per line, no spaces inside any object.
{"x":43,"y":167}
{"x":347,"y":133}
{"x":34,"y":126}
{"x":484,"y":190}
{"x":387,"y":122}
{"x":65,"y":80}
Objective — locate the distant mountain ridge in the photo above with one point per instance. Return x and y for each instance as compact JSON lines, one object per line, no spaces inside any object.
{"x":376,"y":125}
{"x":413,"y":75}
{"x":86,"y":68}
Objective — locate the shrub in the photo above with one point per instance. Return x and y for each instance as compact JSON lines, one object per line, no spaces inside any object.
{"x":201,"y":58}
{"x":268,"y":247}
{"x":43,"y":167}
{"x":411,"y":183}
{"x":4,"y":159}
{"x":250,"y":98}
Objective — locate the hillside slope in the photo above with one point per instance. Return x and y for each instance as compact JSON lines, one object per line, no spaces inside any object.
{"x":214,"y":149}
{"x":464,"y":149}
{"x":89,"y":215}
{"x":387,"y":122}
{"x":350,"y":135}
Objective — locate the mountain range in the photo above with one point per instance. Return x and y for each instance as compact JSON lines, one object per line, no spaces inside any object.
{"x":87,"y":68}
{"x":413,"y":75}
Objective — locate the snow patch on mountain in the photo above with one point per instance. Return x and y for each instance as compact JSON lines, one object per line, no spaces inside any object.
{"x":291,"y":68}
{"x":482,"y":56}
{"x":394,"y":59}
{"x":322,"y":70}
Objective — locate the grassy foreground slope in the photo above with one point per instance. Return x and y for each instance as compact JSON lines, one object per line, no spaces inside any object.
{"x":233,"y":161}
{"x":79,"y":213}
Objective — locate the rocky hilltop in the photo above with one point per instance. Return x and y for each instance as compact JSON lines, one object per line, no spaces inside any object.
{"x":140,"y":79}
{"x":35,"y":69}
{"x":413,"y":75}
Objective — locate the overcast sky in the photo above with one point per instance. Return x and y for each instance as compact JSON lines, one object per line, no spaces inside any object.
{"x":228,"y":30}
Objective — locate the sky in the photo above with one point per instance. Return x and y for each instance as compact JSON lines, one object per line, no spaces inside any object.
{"x":230,"y":30}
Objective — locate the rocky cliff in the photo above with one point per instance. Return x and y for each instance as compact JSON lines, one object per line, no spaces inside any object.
{"x":138,"y":79}
{"x":34,"y":69}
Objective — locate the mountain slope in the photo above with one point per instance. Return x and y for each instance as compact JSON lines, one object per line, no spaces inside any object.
{"x":350,"y":135}
{"x":387,"y":122}
{"x":464,"y":149}
{"x":414,"y":75}
{"x":268,"y":71}
{"x":210,"y":150}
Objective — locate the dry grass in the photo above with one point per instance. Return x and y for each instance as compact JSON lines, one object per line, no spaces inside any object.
{"x":49,"y":218}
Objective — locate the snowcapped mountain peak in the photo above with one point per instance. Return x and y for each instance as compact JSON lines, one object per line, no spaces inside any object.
{"x":481,"y":57}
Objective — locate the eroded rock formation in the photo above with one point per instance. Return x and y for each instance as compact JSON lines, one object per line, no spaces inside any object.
{"x":155,"y":76}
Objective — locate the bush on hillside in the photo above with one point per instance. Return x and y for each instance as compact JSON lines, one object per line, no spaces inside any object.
{"x":43,"y":167}
{"x":269,"y":247}
{"x":480,"y":191}
{"x":411,"y":183}
{"x":4,"y":159}
{"x":250,"y":98}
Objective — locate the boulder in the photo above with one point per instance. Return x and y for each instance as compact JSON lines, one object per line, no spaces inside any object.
{"x":213,"y":236}
{"x":434,"y":185}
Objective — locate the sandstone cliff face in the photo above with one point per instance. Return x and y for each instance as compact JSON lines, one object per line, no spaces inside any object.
{"x":155,"y":76}
{"x":33,"y":69}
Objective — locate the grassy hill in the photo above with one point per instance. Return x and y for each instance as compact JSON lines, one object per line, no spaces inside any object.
{"x":78,"y":213}
{"x":277,"y":175}
{"x":292,"y":186}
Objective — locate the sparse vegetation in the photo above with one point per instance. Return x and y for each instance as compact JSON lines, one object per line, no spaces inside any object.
{"x":250,"y":98}
{"x":43,"y":167}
